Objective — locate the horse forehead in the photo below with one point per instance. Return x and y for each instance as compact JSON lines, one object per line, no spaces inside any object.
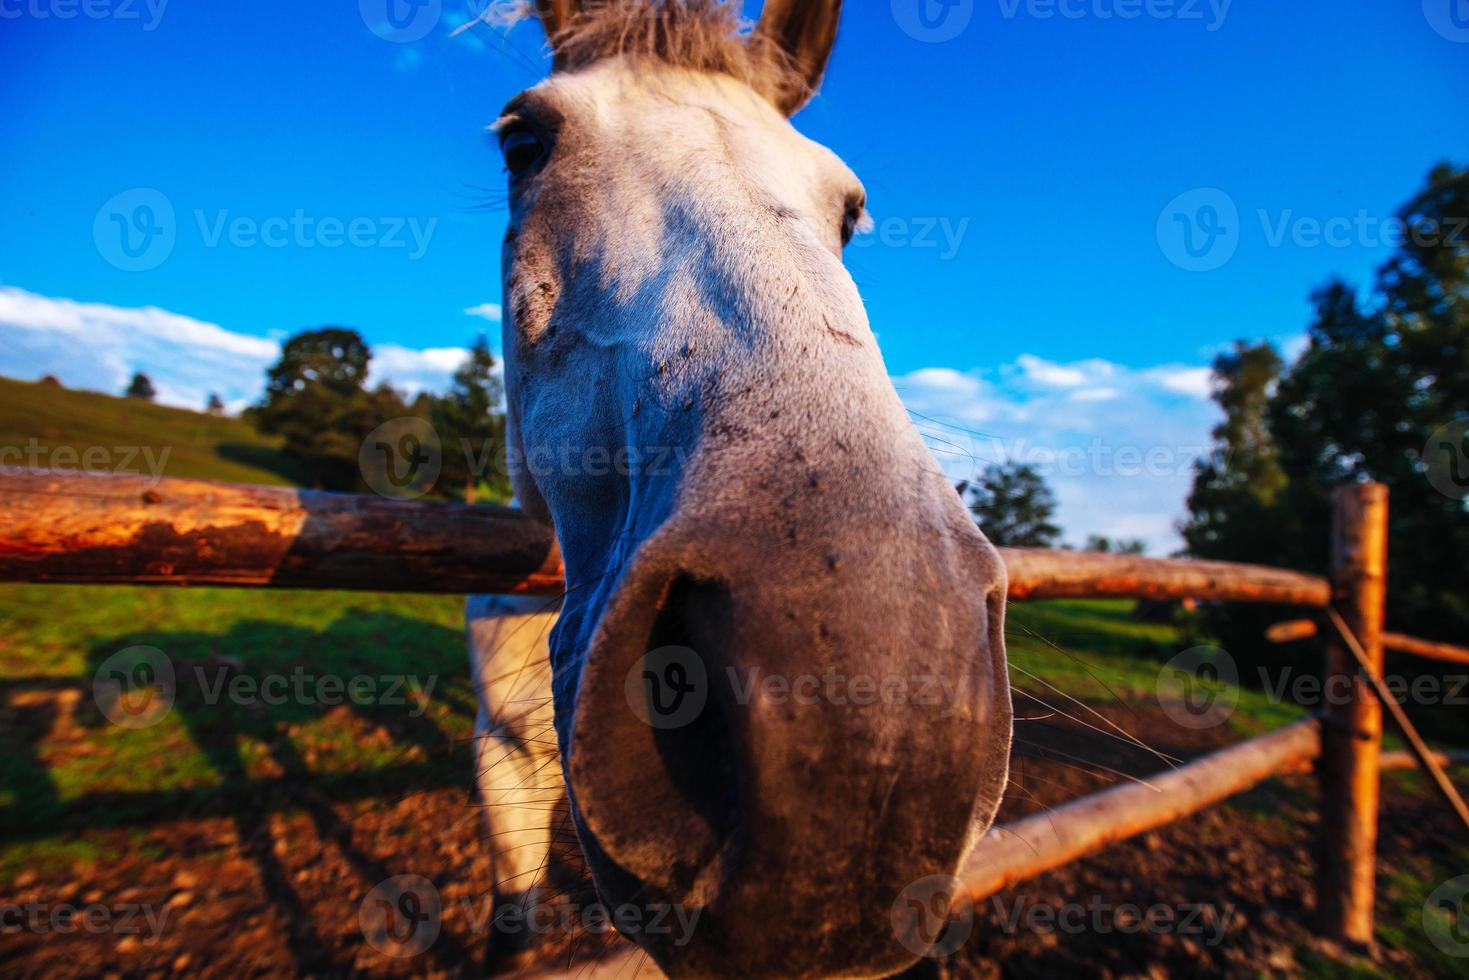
{"x":664,"y":108}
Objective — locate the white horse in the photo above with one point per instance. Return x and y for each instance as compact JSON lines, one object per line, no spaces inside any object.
{"x":774,"y":699}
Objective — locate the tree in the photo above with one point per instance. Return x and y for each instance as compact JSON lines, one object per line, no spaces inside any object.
{"x":316,"y":399}
{"x":1376,"y":381}
{"x":471,"y":426}
{"x":1014,"y":507}
{"x":1240,"y":483}
{"x":141,"y":387}
{"x":1120,"y":546}
{"x":214,"y":406}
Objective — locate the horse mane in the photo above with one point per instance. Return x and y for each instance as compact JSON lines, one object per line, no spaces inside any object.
{"x":707,"y":36}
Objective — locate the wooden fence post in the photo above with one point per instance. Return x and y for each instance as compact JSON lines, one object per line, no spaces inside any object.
{"x":1352,"y":729}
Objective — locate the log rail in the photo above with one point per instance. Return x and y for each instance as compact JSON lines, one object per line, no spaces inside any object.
{"x":70,"y":527}
{"x":96,"y":529}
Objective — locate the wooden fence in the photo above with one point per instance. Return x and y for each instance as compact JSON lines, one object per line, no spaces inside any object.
{"x":99,"y":529}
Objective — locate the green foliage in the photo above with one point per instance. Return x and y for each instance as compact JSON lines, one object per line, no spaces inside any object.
{"x":1014,"y":507}
{"x":141,"y":387}
{"x":471,"y":427}
{"x":1375,"y":382}
{"x":1120,"y":546}
{"x":317,"y":401}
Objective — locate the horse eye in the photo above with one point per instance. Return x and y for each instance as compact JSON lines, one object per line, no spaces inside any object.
{"x":852,"y":222}
{"x":523,"y":151}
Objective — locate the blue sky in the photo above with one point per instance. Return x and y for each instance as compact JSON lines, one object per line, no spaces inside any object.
{"x":1038,"y":169}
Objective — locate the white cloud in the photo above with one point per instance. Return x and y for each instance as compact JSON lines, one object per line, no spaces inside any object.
{"x":1118,"y":454}
{"x":97,"y":346}
{"x":487,"y":311}
{"x":1197,"y":382}
{"x":1048,"y":374}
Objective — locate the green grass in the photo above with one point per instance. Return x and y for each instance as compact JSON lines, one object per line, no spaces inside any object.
{"x":1094,"y":650}
{"x":37,"y":421}
{"x":58,"y":751}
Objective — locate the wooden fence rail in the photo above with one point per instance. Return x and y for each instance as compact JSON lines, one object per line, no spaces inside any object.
{"x":102,"y":529}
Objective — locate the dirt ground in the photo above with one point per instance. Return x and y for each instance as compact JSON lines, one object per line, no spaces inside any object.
{"x":276,"y":889}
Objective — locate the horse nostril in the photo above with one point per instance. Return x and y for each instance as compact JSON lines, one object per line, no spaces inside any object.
{"x":656,"y":765}
{"x":697,"y":748}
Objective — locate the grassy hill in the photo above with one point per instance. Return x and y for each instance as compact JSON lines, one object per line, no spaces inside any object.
{"x":186,"y":444}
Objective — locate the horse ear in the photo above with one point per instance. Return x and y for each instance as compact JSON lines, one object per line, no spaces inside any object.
{"x":803,"y":31}
{"x":555,"y":15}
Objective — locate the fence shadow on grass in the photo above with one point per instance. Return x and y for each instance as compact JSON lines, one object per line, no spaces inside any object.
{"x":251,"y":704}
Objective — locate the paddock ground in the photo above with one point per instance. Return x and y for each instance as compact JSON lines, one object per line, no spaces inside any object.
{"x":254,"y":831}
